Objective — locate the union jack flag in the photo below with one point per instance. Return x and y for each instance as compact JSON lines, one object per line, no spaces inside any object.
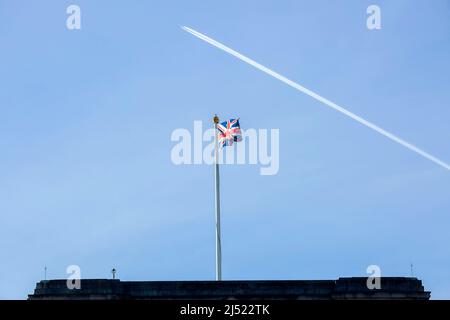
{"x":229,"y":132}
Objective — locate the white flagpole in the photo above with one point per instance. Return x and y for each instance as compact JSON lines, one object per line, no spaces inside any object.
{"x":218,"y":243}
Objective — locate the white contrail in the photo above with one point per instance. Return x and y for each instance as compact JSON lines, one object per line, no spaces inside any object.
{"x":317,"y":97}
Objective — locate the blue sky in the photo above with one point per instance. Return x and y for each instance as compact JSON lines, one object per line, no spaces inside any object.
{"x":86,"y":117}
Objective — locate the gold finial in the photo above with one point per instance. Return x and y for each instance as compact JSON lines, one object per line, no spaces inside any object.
{"x":216,"y":119}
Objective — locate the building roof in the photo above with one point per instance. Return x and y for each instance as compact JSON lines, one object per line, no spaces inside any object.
{"x":343,"y":288}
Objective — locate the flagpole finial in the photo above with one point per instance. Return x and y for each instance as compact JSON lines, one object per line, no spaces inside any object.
{"x":216,"y":119}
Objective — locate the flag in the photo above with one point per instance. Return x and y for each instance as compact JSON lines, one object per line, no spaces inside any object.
{"x":229,"y":132}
